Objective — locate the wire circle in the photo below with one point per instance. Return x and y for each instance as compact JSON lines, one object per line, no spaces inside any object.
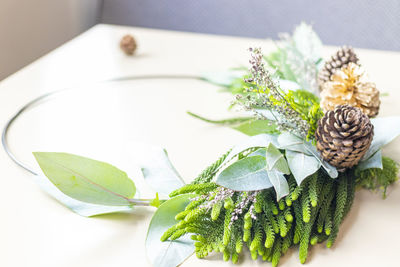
{"x":37,"y":100}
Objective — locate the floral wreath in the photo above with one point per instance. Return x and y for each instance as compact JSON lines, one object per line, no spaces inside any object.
{"x":313,"y":141}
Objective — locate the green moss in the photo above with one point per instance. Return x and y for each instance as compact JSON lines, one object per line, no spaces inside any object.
{"x":379,"y":179}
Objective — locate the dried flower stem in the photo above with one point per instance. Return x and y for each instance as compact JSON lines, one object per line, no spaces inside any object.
{"x":265,"y":94}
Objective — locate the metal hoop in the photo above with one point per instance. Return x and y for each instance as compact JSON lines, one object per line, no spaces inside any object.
{"x":27,"y":106}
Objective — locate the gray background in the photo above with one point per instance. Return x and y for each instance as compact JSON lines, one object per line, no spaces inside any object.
{"x":361,"y":23}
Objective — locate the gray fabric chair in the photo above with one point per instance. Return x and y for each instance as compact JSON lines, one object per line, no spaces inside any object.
{"x":360,"y":23}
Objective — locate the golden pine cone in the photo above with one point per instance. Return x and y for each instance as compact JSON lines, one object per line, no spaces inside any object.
{"x":344,"y":136}
{"x":340,"y":59}
{"x":347,"y":86}
{"x":128,"y":44}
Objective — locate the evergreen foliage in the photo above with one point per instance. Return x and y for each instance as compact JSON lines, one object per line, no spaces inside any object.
{"x":379,"y":179}
{"x":266,"y":226}
{"x":223,"y":220}
{"x":307,"y":105}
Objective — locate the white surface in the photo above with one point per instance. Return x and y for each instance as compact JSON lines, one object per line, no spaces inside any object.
{"x":107,"y":121}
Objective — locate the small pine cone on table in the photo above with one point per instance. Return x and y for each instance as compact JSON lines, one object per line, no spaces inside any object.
{"x":128,"y":44}
{"x":340,"y":59}
{"x":349,"y":86}
{"x":343,"y":136}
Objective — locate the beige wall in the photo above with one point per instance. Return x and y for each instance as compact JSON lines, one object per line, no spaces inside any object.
{"x":31,"y":28}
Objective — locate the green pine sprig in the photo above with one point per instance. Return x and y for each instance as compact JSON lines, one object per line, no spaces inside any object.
{"x":227,"y":221}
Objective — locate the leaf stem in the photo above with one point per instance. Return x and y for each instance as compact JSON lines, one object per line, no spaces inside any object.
{"x":143,"y":202}
{"x":229,"y":121}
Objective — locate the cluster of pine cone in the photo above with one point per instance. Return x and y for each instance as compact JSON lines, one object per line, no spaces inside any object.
{"x":343,"y":81}
{"x":345,"y":133}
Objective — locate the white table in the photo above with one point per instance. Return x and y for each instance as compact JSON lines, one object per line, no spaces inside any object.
{"x":104,"y":123}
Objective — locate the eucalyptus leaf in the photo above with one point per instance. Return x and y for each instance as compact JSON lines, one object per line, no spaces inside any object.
{"x":87,"y":180}
{"x":158,"y":171}
{"x":259,"y":152}
{"x":385,"y":130}
{"x":257,"y":141}
{"x":279,"y":182}
{"x":255,"y":127}
{"x":247,"y":174}
{"x":301,"y":165}
{"x":331,"y":170}
{"x":276,"y":160}
{"x":276,"y":177}
{"x":79,"y":207}
{"x":168,"y":253}
{"x":373,"y":162}
{"x":291,"y":142}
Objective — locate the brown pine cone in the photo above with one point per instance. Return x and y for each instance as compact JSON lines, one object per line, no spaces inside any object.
{"x":349,"y":86}
{"x":128,"y":44}
{"x":340,"y":59}
{"x":344,"y":136}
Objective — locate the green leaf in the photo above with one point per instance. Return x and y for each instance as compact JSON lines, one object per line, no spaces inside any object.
{"x":385,"y":130}
{"x":301,"y":165}
{"x":275,"y":176}
{"x":273,"y":60}
{"x":276,"y":160}
{"x":87,"y":180}
{"x":331,"y":170}
{"x":168,"y":253}
{"x":259,"y":152}
{"x":291,"y":142}
{"x":158,"y":171}
{"x":247,"y":174}
{"x":79,"y":207}
{"x":221,"y":78}
{"x":277,"y":60}
{"x":373,"y":162}
{"x":279,"y":182}
{"x":255,"y":127}
{"x":228,"y":122}
{"x":257,"y":141}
